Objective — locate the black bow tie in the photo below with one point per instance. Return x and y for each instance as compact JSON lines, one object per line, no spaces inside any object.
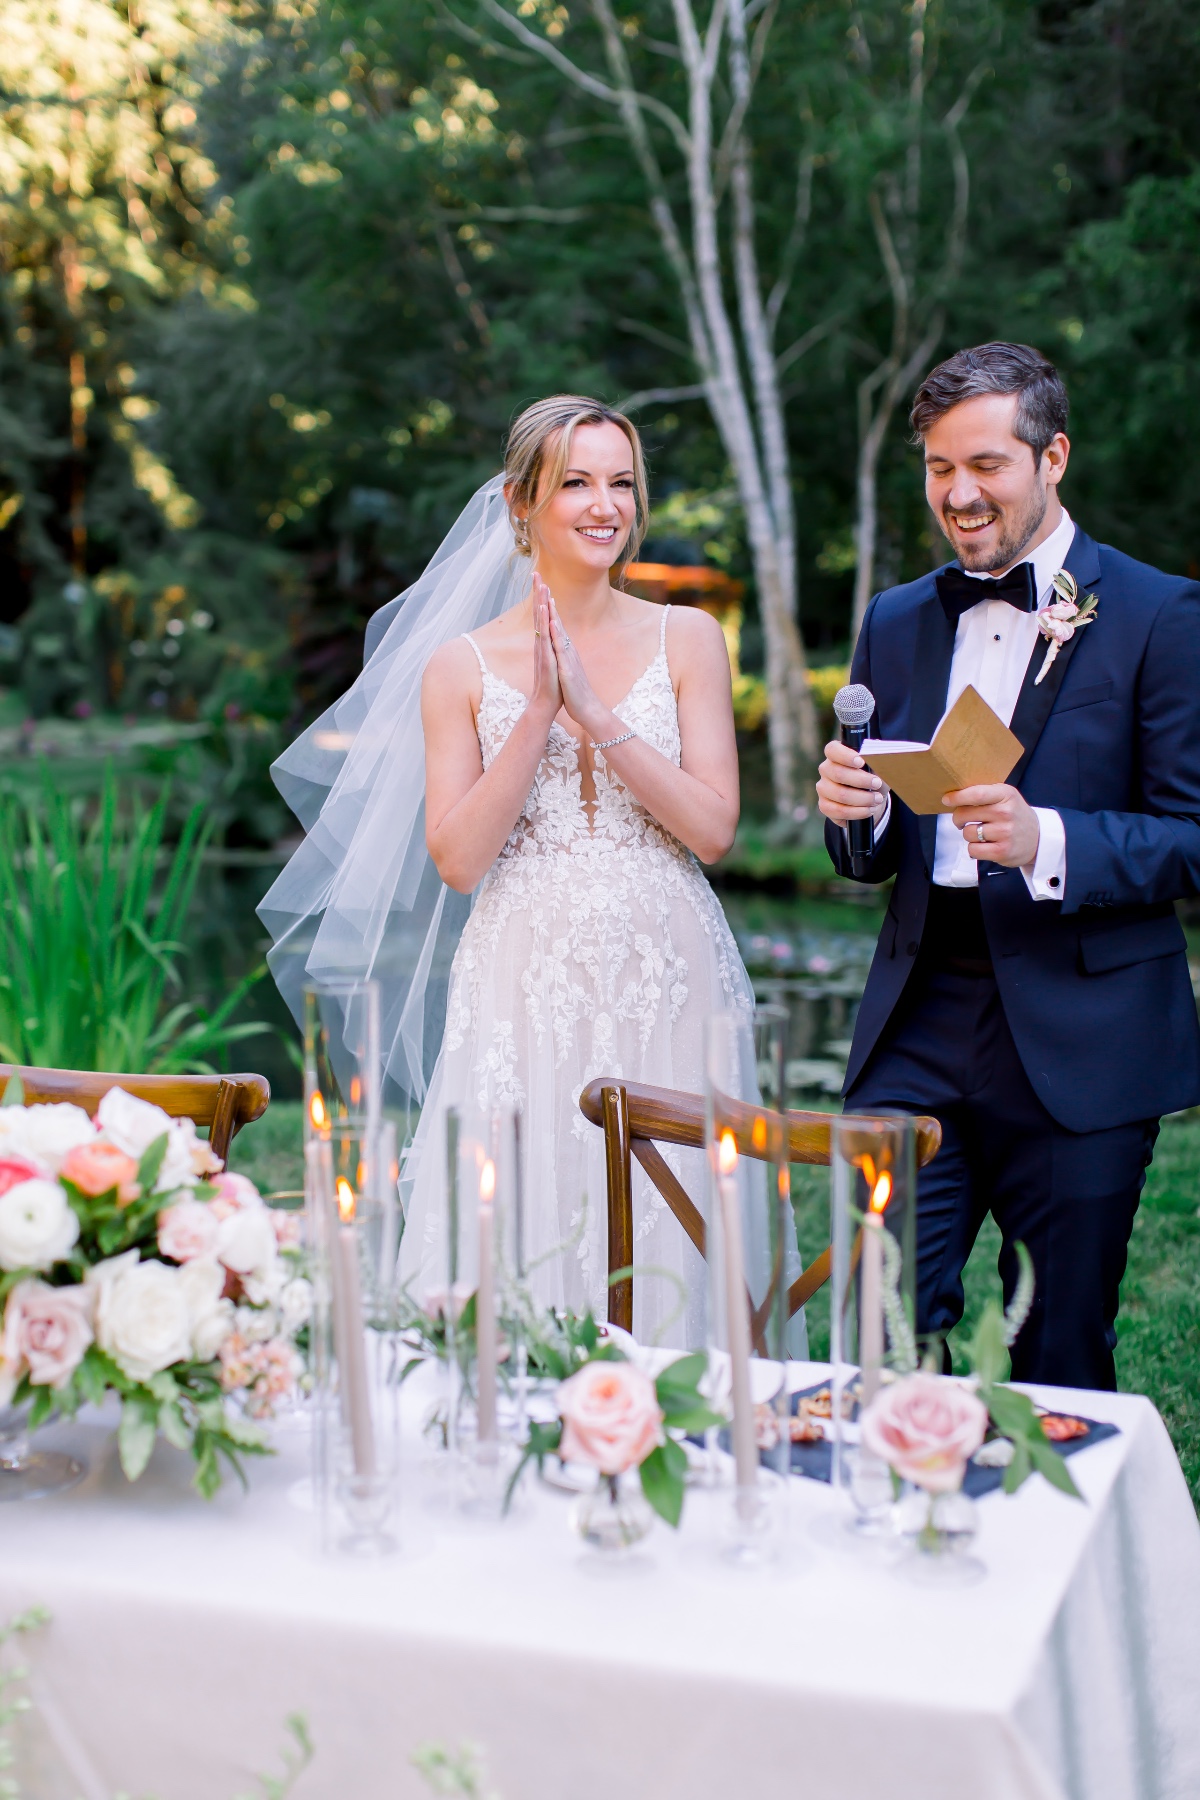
{"x":958,"y":591}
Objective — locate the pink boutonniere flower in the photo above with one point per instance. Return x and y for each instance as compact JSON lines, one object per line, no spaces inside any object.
{"x":1059,"y":621}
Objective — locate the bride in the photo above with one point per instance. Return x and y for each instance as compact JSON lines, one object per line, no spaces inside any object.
{"x":580,"y":763}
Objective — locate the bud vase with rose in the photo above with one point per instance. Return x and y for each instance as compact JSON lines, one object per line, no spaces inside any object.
{"x":615,"y":1419}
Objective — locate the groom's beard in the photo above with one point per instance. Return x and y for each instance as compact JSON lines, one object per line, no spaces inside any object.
{"x":1017,"y":526}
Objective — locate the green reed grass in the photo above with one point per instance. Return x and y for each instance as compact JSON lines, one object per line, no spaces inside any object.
{"x":93,"y":910}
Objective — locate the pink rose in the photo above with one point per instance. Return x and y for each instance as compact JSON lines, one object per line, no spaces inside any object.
{"x":14,"y":1170}
{"x":926,"y":1427}
{"x":97,"y":1168}
{"x":1062,"y":609}
{"x":611,"y":1417}
{"x":235,"y":1193}
{"x":188,"y":1230}
{"x":46,"y":1331}
{"x":1059,"y":629}
{"x":287,"y":1228}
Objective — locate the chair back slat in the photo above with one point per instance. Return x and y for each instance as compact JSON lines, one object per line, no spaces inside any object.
{"x":224,"y":1103}
{"x":636,"y":1117}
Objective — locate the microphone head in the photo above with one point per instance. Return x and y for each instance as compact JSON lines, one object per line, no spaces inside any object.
{"x":853,"y":705}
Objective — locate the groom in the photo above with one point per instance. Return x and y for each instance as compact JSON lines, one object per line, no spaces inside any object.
{"x":1030,"y":986}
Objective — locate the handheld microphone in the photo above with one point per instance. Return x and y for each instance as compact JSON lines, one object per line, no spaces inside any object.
{"x":853,"y":707}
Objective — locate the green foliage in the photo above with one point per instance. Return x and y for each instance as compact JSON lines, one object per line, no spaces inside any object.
{"x":92,"y":921}
{"x":1013,"y":1414}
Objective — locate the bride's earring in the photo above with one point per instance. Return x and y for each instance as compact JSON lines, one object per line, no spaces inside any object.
{"x":521,"y":536}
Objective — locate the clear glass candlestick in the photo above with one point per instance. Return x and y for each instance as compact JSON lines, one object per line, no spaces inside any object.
{"x":873,"y":1296}
{"x":343,"y":1070}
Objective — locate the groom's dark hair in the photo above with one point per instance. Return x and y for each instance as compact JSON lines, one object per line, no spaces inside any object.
{"x":997,"y":369}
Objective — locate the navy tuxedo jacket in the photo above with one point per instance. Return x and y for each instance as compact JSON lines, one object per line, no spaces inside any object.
{"x":1095,"y":986}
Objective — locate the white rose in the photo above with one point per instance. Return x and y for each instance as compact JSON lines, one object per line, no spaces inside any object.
{"x":45,"y":1134}
{"x":142,"y":1314}
{"x":37,"y":1225}
{"x":295,"y":1305}
{"x":210,"y":1317}
{"x":133,"y":1125}
{"x":246,"y":1242}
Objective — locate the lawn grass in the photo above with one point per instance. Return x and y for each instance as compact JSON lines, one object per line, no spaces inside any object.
{"x":1159,"y":1328}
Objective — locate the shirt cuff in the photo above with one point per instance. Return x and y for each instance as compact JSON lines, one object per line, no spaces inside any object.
{"x":1046,"y":877}
{"x":882,"y":824}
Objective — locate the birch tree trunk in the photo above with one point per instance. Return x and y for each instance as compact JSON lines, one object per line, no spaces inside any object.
{"x":733,"y":351}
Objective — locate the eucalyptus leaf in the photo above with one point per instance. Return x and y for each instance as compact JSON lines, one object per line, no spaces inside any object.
{"x":153,"y":1157}
{"x":136,"y":1434}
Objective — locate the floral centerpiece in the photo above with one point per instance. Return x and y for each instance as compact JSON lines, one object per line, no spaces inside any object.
{"x":132,"y":1263}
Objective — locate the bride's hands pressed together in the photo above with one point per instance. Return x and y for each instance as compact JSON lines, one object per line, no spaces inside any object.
{"x":547,"y":696}
{"x":578,"y":695}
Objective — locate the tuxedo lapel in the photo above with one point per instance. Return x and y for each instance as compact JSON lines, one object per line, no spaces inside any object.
{"x":1036,"y":700}
{"x":927,"y":700}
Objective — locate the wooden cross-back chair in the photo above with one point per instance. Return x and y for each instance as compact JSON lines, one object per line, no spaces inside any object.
{"x":635,"y":1119}
{"x":222,"y":1102}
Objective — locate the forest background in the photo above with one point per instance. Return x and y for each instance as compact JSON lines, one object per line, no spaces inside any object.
{"x":275,"y":278}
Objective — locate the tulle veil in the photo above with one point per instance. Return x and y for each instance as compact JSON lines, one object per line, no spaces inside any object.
{"x":361,"y":897}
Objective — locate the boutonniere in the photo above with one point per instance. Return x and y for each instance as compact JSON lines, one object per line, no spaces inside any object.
{"x":1062,"y":618}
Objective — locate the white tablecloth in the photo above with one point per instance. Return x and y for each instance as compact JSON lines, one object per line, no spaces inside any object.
{"x":183,"y":1633}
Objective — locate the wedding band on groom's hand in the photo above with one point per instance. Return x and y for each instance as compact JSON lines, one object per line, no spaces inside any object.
{"x":979,"y":834}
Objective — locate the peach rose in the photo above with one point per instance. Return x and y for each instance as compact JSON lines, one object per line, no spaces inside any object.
{"x":611,"y":1417}
{"x":46,"y":1331}
{"x":188,"y":1230}
{"x":926,"y":1427}
{"x":97,"y":1167}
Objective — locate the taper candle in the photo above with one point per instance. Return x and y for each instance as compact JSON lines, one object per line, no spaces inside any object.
{"x":352,"y":1373}
{"x":485,"y":1306}
{"x":745,"y":1448}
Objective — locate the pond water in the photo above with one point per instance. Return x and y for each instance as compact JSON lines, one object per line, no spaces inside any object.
{"x":809,"y":955}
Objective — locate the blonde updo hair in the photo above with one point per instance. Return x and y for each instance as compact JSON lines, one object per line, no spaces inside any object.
{"x":538,"y":455}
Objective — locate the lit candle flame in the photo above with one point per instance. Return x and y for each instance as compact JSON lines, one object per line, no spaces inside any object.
{"x":882,"y":1193}
{"x":355,"y":1091}
{"x":785,"y":1182}
{"x":345,"y":1201}
{"x":727,"y":1153}
{"x":487,"y":1181}
{"x":317,"y":1112}
{"x":758,"y":1132}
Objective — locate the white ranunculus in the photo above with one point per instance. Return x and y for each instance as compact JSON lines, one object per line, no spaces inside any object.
{"x":211,"y":1318}
{"x":44,"y":1134}
{"x":133,"y":1125}
{"x":37,"y":1225}
{"x":142,"y":1314}
{"x":246,"y":1242}
{"x":295,"y":1305}
{"x":256,"y":1324}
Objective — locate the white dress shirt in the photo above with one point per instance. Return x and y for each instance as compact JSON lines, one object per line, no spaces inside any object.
{"x":992,"y":647}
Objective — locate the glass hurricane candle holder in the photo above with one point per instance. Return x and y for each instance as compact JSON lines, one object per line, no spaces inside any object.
{"x":348,"y":1175}
{"x":484,"y":1304}
{"x":342,"y":1061}
{"x":872,"y":1295}
{"x":751,"y":1253}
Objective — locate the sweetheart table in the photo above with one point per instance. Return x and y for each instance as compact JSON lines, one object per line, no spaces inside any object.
{"x":183,"y":1632}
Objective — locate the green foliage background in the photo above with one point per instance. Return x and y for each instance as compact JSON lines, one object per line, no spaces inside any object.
{"x":328,"y":247}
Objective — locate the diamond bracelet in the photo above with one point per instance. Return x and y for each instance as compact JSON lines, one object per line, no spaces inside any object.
{"x":608,"y":743}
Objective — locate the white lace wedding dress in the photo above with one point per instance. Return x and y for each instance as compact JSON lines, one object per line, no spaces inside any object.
{"x":595,"y":947}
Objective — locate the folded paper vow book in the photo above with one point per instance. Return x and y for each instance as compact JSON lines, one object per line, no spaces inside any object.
{"x":972,"y":746}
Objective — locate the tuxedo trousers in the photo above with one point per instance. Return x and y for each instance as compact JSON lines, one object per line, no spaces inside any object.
{"x":1069,"y":1197}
